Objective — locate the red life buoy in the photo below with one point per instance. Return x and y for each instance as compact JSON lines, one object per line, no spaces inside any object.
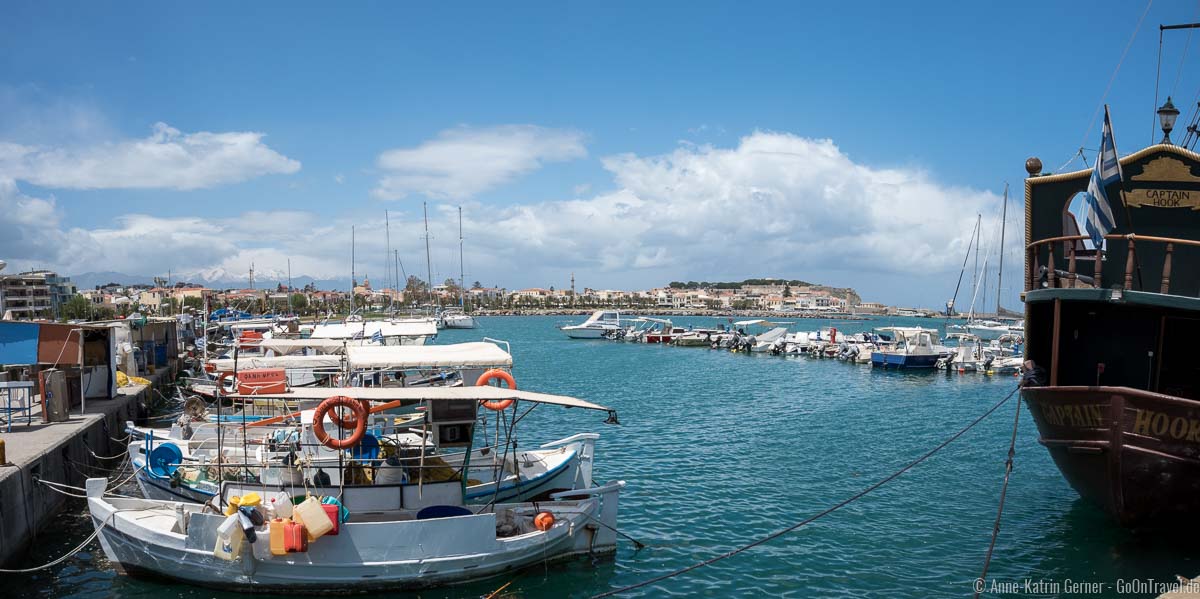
{"x":496,"y":373}
{"x":360,"y":422}
{"x":350,"y":420}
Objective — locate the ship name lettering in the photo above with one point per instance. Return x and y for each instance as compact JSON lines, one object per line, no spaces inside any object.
{"x":1168,"y":198}
{"x":1158,"y":424}
{"x":1075,"y":416}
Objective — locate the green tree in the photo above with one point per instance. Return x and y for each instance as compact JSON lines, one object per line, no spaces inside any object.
{"x":415,"y":289}
{"x":195,"y":303}
{"x":299,"y":303}
{"x":787,"y":291}
{"x":476,"y":285}
{"x":76,"y":308}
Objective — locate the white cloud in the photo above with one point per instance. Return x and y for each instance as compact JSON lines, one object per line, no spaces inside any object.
{"x":168,"y":158}
{"x":464,"y":161}
{"x":775,"y":204}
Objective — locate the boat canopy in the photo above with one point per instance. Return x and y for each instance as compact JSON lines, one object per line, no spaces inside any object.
{"x":366,"y":330}
{"x":476,"y":354}
{"x":295,"y":362}
{"x":287,"y":346}
{"x":757,"y":321}
{"x":416,"y":394}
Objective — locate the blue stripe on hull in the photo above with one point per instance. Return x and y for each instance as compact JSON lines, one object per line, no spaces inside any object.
{"x":887,"y":360}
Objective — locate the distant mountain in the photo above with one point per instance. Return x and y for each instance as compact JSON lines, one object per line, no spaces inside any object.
{"x":214,"y":278}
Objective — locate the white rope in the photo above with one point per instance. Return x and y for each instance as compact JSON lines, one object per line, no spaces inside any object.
{"x":72,"y":552}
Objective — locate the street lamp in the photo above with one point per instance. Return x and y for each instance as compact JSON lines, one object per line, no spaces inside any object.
{"x":1167,"y":114}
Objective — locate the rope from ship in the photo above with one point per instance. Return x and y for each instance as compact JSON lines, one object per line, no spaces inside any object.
{"x":1008,"y":467}
{"x":889,"y":478}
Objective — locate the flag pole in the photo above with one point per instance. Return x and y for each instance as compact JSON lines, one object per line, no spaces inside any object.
{"x":1124,"y":203}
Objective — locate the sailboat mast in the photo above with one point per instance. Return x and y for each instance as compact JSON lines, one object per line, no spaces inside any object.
{"x":1000,"y":271}
{"x":461,"y":272}
{"x":428,"y":260}
{"x":353,"y":275}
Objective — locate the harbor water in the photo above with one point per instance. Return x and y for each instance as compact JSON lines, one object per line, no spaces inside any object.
{"x":719,"y":449}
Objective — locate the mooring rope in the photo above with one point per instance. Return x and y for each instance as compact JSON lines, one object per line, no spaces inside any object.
{"x":77,"y":549}
{"x":818,"y":516}
{"x":1008,"y":467}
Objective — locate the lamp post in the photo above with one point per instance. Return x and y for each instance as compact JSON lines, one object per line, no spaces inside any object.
{"x":1167,"y":113}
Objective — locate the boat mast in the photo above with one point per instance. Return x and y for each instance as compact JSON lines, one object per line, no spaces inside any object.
{"x":461,"y":273}
{"x":353,"y":276}
{"x":1000,"y":270}
{"x":428,"y":260}
{"x":387,"y":231}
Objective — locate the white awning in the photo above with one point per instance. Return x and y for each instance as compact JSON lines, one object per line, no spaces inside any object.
{"x":288,"y":346}
{"x":415,"y":394}
{"x":367,"y":329}
{"x":477,"y":354}
{"x":295,"y":362}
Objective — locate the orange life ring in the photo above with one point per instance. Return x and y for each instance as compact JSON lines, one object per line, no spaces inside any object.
{"x":221,"y":382}
{"x":360,"y":422}
{"x":496,"y":373}
{"x":350,"y":420}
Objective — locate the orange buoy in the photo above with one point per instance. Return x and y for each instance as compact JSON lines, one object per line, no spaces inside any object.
{"x":360,"y":422}
{"x":496,"y":373}
{"x":543,"y":521}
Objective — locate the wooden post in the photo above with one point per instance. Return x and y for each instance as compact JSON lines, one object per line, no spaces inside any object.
{"x":1032,"y":273}
{"x":1071,"y":264}
{"x":1099,"y":268}
{"x":1050,"y":266}
{"x":1129,"y":266}
{"x":1166,"y":277}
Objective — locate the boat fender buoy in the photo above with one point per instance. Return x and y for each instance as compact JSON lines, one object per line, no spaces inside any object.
{"x":360,"y":422}
{"x":543,"y":521}
{"x":487,"y":377}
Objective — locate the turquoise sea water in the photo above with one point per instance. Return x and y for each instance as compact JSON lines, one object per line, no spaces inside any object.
{"x":719,"y":449}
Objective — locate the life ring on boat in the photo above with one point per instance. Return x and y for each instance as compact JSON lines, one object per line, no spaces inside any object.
{"x":360,"y":422}
{"x":349,"y":420}
{"x":221,"y":381}
{"x":487,"y":377}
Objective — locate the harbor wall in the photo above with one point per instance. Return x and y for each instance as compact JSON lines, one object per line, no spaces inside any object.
{"x":62,"y":452}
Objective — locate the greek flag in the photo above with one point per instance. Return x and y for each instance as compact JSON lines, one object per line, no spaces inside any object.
{"x":1108,"y":171}
{"x":378,"y":336}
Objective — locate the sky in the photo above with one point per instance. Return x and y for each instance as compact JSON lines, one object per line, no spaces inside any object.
{"x":627,"y":143}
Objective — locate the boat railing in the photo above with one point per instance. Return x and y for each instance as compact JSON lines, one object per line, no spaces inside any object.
{"x":1048,"y":275}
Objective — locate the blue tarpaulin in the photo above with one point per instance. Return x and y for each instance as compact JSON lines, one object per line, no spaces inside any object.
{"x":18,"y":343}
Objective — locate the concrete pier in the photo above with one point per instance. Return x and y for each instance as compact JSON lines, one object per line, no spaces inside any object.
{"x":61,"y":452}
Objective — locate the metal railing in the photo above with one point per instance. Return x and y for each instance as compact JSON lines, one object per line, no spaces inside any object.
{"x":1055,"y":278}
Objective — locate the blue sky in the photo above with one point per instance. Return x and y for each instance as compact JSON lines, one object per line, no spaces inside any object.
{"x":630,"y":143}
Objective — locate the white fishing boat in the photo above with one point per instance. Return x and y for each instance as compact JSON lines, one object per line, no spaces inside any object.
{"x":762,"y":337}
{"x":914,"y":347}
{"x":409,"y":546}
{"x":453,"y":318}
{"x":595,"y":327}
{"x":433,"y":435}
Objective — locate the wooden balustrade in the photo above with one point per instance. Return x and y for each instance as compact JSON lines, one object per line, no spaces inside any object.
{"x":1032,"y":256}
